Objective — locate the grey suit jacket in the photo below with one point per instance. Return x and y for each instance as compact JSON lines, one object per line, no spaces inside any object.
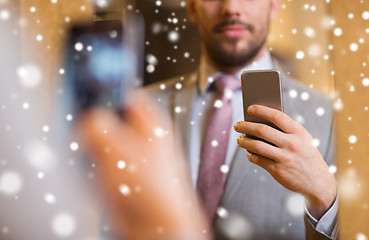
{"x":257,"y":206}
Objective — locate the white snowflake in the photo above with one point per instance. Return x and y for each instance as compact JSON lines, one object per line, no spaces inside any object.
{"x":314,"y":50}
{"x":46,"y":128}
{"x":78,"y":46}
{"x":360,"y":236}
{"x":222,"y":212}
{"x":354,"y":47}
{"x":315,"y":142}
{"x":102,"y":3}
{"x":25,"y":105}
{"x":338,"y":105}
{"x":150,"y":68}
{"x":292,"y":93}
{"x":50,"y":198}
{"x":178,"y":109}
{"x":332,"y":169}
{"x":39,"y":37}
{"x":320,"y":111}
{"x":214,"y":143}
{"x":74,"y":146}
{"x":10,"y":183}
{"x":4,"y":14}
{"x":124,"y":189}
{"x":40,"y":155}
{"x":295,"y":205}
{"x":224,"y":168}
{"x":365,"y":82}
{"x":300,"y":55}
{"x":305,"y":96}
{"x":113,"y":34}
{"x":40,"y":175}
{"x":156,"y":27}
{"x":159,"y":132}
{"x":352,"y":139}
{"x":150,"y":58}
{"x":218,"y":103}
{"x":121,"y":164}
{"x":178,"y":86}
{"x":63,"y":225}
{"x":69,"y":117}
{"x":299,"y":119}
{"x":365,"y":15}
{"x":228,"y":94}
{"x":30,"y":75}
{"x":173,"y":36}
{"x":309,"y":32}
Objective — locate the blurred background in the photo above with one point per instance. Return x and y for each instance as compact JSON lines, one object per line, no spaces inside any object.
{"x":324,"y":44}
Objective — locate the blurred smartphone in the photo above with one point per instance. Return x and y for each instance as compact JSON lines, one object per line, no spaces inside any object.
{"x":101,"y":67}
{"x":262,"y":87}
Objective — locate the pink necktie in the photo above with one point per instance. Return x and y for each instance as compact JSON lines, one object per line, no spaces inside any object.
{"x":210,"y":180}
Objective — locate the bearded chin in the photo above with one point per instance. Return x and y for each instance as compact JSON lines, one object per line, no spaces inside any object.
{"x":232,"y":57}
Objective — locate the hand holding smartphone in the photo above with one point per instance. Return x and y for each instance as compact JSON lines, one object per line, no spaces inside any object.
{"x":261,"y":87}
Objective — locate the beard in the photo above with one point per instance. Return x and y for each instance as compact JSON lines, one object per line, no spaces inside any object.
{"x":232,"y":57}
{"x":225,"y":52}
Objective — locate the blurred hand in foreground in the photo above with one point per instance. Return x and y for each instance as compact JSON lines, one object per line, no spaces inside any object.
{"x":142,"y":174}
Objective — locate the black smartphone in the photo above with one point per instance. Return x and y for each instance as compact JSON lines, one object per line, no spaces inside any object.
{"x":100,"y":66}
{"x":262,"y":87}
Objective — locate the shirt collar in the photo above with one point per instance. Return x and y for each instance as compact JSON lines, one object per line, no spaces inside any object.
{"x":208,"y":73}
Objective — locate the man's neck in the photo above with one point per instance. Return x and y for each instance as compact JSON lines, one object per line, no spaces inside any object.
{"x":232,"y":70}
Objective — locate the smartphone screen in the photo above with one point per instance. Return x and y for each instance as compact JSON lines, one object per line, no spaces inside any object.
{"x":100,"y":67}
{"x":262,"y":87}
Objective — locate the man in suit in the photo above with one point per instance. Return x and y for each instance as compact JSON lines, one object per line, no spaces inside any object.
{"x":241,"y":200}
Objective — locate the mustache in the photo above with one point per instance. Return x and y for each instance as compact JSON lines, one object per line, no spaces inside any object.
{"x":229,"y":22}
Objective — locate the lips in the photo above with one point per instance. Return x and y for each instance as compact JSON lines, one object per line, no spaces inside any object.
{"x":232,"y":30}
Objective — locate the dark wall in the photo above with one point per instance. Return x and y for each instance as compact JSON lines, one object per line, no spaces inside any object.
{"x":165,"y":58}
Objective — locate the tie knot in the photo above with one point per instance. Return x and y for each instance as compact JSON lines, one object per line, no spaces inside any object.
{"x":227,"y":83}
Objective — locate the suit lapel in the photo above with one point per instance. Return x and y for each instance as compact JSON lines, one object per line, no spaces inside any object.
{"x":235,"y":176}
{"x":184,"y":99}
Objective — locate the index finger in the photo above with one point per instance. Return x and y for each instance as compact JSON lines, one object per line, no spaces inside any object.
{"x":280,"y":119}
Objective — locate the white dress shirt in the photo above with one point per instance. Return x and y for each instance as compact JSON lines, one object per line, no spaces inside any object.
{"x":200,"y":112}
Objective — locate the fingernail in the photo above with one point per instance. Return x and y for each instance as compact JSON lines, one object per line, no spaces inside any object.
{"x":238,"y":140}
{"x":249,"y":155}
{"x":236,"y":126}
{"x":251,"y":109}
